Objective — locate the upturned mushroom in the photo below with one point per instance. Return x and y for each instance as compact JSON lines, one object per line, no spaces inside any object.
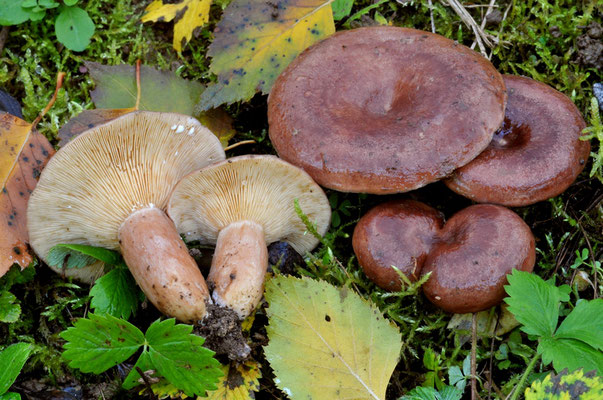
{"x":535,"y":155}
{"x":468,"y":257}
{"x":410,"y":106}
{"x":109,"y":187}
{"x":241,"y":205}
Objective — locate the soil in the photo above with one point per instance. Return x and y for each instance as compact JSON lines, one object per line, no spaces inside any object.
{"x":590,"y":46}
{"x":221,"y":329}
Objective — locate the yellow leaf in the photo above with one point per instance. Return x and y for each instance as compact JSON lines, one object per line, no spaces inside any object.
{"x":256,"y":40}
{"x":238,"y":383}
{"x":327,"y":342}
{"x":187,"y":14}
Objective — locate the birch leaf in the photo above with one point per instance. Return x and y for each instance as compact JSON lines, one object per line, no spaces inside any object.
{"x":187,"y":15}
{"x":256,"y":40}
{"x":327,"y":342}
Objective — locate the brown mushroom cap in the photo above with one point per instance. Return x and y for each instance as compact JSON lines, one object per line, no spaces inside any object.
{"x":396,"y":233}
{"x":384,"y":109}
{"x":535,"y":155}
{"x":475,"y":251}
{"x":97,"y":180}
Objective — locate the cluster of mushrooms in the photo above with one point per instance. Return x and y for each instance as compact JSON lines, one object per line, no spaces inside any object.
{"x":375,"y":110}
{"x":387,"y":110}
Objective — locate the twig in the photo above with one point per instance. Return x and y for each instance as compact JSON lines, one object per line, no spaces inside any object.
{"x":519,"y":388}
{"x":430,"y":4}
{"x":473,"y":356}
{"x":492,"y":385}
{"x":483,"y":24}
{"x":592,"y":256}
{"x":58,"y":86}
{"x":237,"y":144}
{"x":3,"y":36}
{"x":480,"y":36}
{"x":138,"y":88}
{"x":147,"y":383}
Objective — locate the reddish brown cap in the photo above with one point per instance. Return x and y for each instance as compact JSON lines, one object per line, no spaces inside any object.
{"x":397,"y":233}
{"x":384,"y":109}
{"x":535,"y":155}
{"x":476,"y":250}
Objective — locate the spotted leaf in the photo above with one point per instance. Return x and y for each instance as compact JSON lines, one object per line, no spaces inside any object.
{"x":256,"y":40}
{"x":23,"y":154}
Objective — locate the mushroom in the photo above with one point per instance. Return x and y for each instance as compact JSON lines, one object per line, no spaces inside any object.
{"x":398,"y":233}
{"x":535,"y":155}
{"x":109,"y":186}
{"x":468,"y":257}
{"x":241,"y":205}
{"x":384,"y":109}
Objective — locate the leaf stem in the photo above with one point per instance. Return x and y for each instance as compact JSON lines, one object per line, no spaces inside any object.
{"x":473,"y":356}
{"x":524,"y":378}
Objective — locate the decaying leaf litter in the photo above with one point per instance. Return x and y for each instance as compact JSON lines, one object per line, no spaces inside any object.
{"x":557,"y":237}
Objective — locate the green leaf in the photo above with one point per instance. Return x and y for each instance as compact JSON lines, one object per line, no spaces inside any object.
{"x":115,"y":293}
{"x":12,"y":12}
{"x":74,"y":28}
{"x":330,"y":337}
{"x":48,"y":4}
{"x":181,"y":358}
{"x":247,"y":56}
{"x":99,"y":342}
{"x":584,"y":323}
{"x":145,"y":364}
{"x":12,"y":360}
{"x":10,"y":396}
{"x":81,"y":255}
{"x":341,"y":8}
{"x":571,"y":354}
{"x":160,"y":90}
{"x":423,"y":393}
{"x":533,"y":302}
{"x":9,"y":310}
{"x":585,"y":386}
{"x":70,"y":2}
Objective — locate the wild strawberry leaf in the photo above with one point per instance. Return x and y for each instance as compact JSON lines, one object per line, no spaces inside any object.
{"x":571,"y":354}
{"x":534,"y":302}
{"x":584,"y":323}
{"x":80,"y":255}
{"x":256,"y":40}
{"x":116,"y":294}
{"x":23,"y":154}
{"x":327,"y":342}
{"x":188,"y":15}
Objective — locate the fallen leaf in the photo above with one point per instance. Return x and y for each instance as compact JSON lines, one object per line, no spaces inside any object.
{"x":88,"y":119}
{"x":160,"y":91}
{"x":327,"y":342}
{"x":23,"y":154}
{"x":240,"y":382}
{"x":256,"y":40}
{"x":188,"y":15}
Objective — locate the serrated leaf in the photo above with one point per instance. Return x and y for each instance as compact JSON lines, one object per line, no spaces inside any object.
{"x":23,"y":154}
{"x":326,"y":342}
{"x":584,"y":323}
{"x":74,"y":28}
{"x":255,"y":41}
{"x":423,"y":393}
{"x":100,"y":342}
{"x":565,"y":386}
{"x":145,"y":364}
{"x":187,"y":14}
{"x":9,"y":310}
{"x":115,"y":293}
{"x":12,"y":360}
{"x":534,"y":302}
{"x":180,"y":357}
{"x":239,"y":382}
{"x":571,"y":354}
{"x":159,"y":90}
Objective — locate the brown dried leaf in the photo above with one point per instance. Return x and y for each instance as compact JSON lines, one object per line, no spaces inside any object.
{"x":23,"y":155}
{"x":88,"y":119}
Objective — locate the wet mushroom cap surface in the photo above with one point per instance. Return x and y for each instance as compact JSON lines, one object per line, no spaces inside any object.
{"x":105,"y":174}
{"x":535,"y":155}
{"x":398,"y":233}
{"x":384,"y":109}
{"x":474,"y":252}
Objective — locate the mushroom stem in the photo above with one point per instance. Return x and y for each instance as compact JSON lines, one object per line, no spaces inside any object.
{"x":239,"y":267}
{"x":162,"y":266}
